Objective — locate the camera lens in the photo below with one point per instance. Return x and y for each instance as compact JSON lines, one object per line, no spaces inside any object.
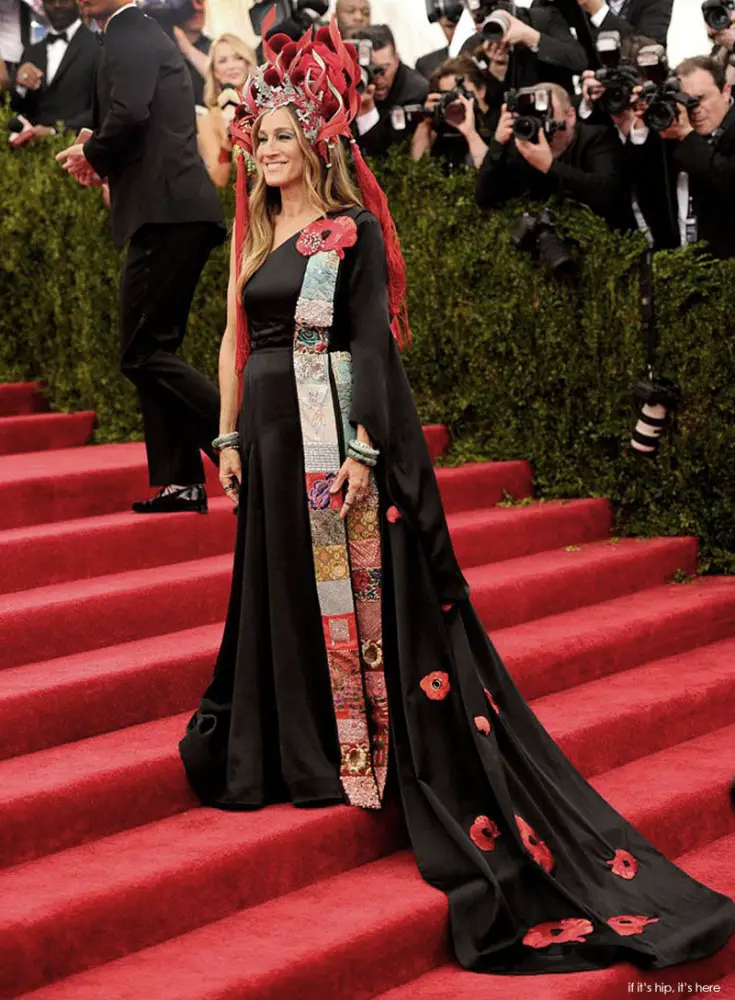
{"x":455,"y":113}
{"x":716,"y":15}
{"x":526,"y":128}
{"x":496,"y":26}
{"x":661,"y":115}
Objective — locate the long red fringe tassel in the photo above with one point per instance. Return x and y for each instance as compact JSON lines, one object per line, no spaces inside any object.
{"x":375,"y":200}
{"x":241,"y":228}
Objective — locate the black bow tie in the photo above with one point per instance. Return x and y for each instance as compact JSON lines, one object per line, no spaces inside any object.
{"x":51,"y":37}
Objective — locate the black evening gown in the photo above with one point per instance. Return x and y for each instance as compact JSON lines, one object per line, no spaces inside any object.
{"x":541,"y":873}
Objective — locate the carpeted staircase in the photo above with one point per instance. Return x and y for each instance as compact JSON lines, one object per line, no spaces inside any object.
{"x":115,"y":885}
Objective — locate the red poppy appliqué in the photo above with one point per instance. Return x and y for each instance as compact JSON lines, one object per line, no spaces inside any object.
{"x":393,"y":514}
{"x":328,"y":234}
{"x":534,"y":845}
{"x":623,"y":864}
{"x":629,"y":924}
{"x":436,"y":685}
{"x":482,"y":724}
{"x":558,"y":932}
{"x":491,"y":700}
{"x":484,"y":832}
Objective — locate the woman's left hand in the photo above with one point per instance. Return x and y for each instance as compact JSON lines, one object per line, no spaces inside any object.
{"x":357,"y":477}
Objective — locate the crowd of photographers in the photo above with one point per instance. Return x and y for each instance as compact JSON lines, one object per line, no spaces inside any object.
{"x":549,"y":99}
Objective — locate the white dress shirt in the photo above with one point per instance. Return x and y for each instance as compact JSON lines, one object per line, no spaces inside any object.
{"x":55,"y":51}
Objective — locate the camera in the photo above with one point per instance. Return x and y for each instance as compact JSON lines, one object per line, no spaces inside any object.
{"x":661,"y":94}
{"x":534,"y":109}
{"x":496,"y":26}
{"x":618,"y":76}
{"x":717,"y":13}
{"x":537,"y":235}
{"x":448,"y":111}
{"x":170,"y":14}
{"x":304,"y":13}
{"x":437,"y":9}
{"x":658,"y":400}
{"x":368,"y":72}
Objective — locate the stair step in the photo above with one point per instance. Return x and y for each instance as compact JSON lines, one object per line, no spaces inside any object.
{"x":21,"y":398}
{"x":41,"y":432}
{"x":44,"y":554}
{"x":74,"y":793}
{"x":60,"y":701}
{"x":87,"y":614}
{"x":557,"y":652}
{"x":438,"y":440}
{"x":85,"y":482}
{"x":614,"y":720}
{"x":547,"y":583}
{"x":713,"y":865}
{"x":61,"y":551}
{"x":269,"y":951}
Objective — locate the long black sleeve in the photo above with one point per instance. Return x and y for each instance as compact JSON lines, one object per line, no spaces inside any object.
{"x":557,"y":46}
{"x":713,"y":171}
{"x":597,"y":177}
{"x":503,"y":175}
{"x":132,"y":64}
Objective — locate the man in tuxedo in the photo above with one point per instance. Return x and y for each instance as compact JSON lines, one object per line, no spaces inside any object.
{"x":539,"y":45}
{"x":630,"y":17}
{"x":56,"y":77}
{"x":582,"y":163}
{"x":428,"y":64}
{"x":395,"y":85}
{"x":164,"y":204}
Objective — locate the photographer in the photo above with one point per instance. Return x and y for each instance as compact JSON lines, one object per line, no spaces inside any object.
{"x":56,"y":78}
{"x":557,"y":156}
{"x":428,"y":64}
{"x":703,"y":144}
{"x":538,"y":42}
{"x":194,"y":46}
{"x":456,"y":129}
{"x":612,"y":97}
{"x":394,"y":85}
{"x":630,"y":17}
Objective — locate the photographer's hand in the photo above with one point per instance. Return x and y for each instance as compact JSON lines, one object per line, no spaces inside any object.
{"x":536,"y":154}
{"x":467,"y":126}
{"x":680,"y":129}
{"x":591,"y":6}
{"x":504,"y":131}
{"x":520,"y":33}
{"x":592,"y":89}
{"x":367,"y":103}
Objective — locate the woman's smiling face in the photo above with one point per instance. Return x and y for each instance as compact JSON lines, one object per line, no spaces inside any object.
{"x":278,"y":152}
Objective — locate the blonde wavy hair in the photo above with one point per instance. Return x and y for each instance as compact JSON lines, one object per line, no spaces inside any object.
{"x":212,"y":88}
{"x":328,"y":190}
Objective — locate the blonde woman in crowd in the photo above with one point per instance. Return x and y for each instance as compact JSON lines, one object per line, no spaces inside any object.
{"x":231,"y":61}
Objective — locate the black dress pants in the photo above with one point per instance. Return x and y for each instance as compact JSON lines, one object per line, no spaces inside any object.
{"x":180,"y":406}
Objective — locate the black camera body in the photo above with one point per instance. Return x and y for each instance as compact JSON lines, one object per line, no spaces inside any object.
{"x":368,"y":72}
{"x":304,"y":13}
{"x":717,"y":13}
{"x":170,"y":14}
{"x":661,"y":94}
{"x":618,"y":76}
{"x":534,"y":108}
{"x":447,"y":114}
{"x":537,"y":235}
{"x":437,"y":9}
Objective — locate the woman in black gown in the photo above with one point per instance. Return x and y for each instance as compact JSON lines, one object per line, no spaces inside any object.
{"x":350,"y":636}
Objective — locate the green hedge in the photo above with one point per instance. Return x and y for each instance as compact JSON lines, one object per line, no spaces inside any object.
{"x":516,"y":365}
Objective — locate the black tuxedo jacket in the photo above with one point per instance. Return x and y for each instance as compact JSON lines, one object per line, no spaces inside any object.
{"x":433,"y":60}
{"x":409,"y":87}
{"x":559,"y":58}
{"x":640,"y":17}
{"x":145,"y":143}
{"x":711,"y":169}
{"x":590,"y":171}
{"x":69,"y":97}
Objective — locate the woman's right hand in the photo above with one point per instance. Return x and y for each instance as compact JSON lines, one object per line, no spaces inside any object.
{"x":230,"y":473}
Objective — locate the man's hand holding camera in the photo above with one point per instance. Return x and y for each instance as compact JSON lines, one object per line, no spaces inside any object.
{"x":625,"y":120}
{"x":681,"y":128}
{"x":537,"y":154}
{"x":520,"y":33}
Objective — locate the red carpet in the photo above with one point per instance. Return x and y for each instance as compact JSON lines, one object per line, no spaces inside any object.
{"x":116,"y":885}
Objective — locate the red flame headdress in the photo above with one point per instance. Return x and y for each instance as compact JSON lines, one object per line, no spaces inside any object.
{"x":318,"y":77}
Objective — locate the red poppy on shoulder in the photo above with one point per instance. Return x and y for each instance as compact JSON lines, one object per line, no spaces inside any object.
{"x":628,"y":924}
{"x":393,"y":514}
{"x":492,"y":701}
{"x":436,"y":685}
{"x":328,"y":234}
{"x":558,"y":932}
{"x":623,"y":864}
{"x":534,"y":845}
{"x":484,"y":832}
{"x":482,"y":724}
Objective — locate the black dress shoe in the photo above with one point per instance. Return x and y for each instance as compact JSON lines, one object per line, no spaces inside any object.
{"x":192,"y":498}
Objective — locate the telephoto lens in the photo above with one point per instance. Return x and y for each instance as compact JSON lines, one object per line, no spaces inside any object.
{"x":717,"y":13}
{"x":497,"y":26}
{"x":437,"y":9}
{"x":658,"y":401}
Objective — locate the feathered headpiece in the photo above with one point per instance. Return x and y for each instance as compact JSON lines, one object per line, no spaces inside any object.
{"x":318,"y":76}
